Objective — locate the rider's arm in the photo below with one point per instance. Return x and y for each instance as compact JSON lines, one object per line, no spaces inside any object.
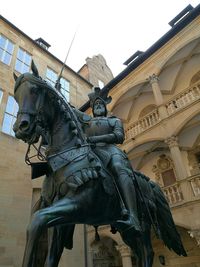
{"x":117,"y":137}
{"x":106,"y":138}
{"x":83,"y":117}
{"x":119,"y":131}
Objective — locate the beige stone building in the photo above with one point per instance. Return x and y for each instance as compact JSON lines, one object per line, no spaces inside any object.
{"x":17,"y":192}
{"x":157,"y":97}
{"x":96,"y":71}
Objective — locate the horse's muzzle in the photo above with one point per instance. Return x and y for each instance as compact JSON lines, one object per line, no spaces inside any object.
{"x":23,"y":129}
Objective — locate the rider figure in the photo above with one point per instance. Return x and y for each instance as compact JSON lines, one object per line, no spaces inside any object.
{"x":105,"y":132}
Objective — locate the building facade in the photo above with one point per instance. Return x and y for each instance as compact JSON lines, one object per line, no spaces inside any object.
{"x":17,"y":192}
{"x":157,"y":97}
{"x":96,"y":71}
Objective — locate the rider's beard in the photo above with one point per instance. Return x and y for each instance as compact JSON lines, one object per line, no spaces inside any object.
{"x":99,"y":112}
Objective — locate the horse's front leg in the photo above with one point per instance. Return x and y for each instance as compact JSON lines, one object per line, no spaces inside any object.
{"x":34,"y":232}
{"x":62,"y":237}
{"x":61,"y":212}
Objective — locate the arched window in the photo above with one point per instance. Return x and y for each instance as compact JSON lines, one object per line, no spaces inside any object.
{"x":147,"y":110}
{"x":104,"y":253}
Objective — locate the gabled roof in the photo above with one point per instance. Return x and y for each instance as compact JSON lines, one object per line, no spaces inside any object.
{"x":43,"y":49}
{"x":177,"y":27}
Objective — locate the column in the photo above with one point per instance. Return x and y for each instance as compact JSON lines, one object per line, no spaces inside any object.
{"x":125,"y":252}
{"x":90,"y":257}
{"x":195,"y":234}
{"x":181,"y":171}
{"x":153,"y":79}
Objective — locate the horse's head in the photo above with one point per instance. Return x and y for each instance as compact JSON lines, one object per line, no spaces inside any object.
{"x":29,"y":94}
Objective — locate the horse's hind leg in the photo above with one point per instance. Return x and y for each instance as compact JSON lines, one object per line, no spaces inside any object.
{"x":138,"y":250}
{"x":136,"y":245}
{"x":61,"y":212}
{"x":148,"y":248}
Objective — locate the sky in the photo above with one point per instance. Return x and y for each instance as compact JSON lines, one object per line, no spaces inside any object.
{"x":114,"y":28}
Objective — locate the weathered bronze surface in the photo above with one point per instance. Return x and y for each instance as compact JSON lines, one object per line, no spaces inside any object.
{"x":88,"y":179}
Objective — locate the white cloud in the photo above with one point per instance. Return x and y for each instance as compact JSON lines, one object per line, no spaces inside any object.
{"x":113,"y":28}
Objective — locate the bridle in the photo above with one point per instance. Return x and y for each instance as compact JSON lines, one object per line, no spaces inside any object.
{"x":38,"y":119}
{"x":41,"y":96}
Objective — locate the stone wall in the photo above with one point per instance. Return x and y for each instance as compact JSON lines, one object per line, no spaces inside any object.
{"x":96,"y":71}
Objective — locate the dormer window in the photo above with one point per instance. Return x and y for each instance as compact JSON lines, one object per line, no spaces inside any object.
{"x":43,"y":43}
{"x":101,"y":84}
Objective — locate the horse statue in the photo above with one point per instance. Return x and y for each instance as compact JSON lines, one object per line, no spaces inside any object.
{"x":78,"y":189}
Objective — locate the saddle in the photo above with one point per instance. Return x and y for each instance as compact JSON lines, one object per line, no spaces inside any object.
{"x":69,"y":170}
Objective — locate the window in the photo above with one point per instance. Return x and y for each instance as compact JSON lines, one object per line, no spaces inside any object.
{"x":65,"y":88}
{"x":51,"y":76}
{"x":6,"y":50}
{"x":101,"y":84}
{"x":10,"y":116}
{"x":168,"y":177}
{"x":1,"y":95}
{"x":23,"y":61}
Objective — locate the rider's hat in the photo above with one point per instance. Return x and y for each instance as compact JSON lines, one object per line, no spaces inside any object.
{"x":97,"y":94}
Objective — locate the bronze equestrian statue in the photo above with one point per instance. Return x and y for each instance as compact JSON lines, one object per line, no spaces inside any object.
{"x":83,"y":184}
{"x":104,"y":132}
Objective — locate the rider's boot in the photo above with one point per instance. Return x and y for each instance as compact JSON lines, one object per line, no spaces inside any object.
{"x":129,"y":220}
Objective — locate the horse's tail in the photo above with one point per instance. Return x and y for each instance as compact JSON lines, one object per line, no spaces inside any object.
{"x":168,"y":230}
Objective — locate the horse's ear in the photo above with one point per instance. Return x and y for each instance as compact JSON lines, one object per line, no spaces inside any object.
{"x":34,"y":69}
{"x":15,"y":76}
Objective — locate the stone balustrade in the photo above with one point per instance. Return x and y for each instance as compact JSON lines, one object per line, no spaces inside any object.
{"x":183,"y":99}
{"x":143,"y":124}
{"x":183,"y":191}
{"x":173,"y":194}
{"x":195,"y":184}
{"x":180,"y":101}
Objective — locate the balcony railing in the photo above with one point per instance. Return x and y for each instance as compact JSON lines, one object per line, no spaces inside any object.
{"x":173,"y":193}
{"x":183,"y":191}
{"x":195,"y":184}
{"x":180,"y":101}
{"x":183,"y":99}
{"x":143,"y":124}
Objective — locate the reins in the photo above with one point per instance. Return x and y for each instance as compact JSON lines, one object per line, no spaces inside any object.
{"x":48,"y":89}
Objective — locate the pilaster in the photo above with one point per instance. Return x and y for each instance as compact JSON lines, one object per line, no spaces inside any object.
{"x":153,"y":80}
{"x":125,"y":253}
{"x":181,"y":171}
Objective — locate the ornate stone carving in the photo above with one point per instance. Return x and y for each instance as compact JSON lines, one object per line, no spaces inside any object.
{"x":195,"y":234}
{"x":153,"y":78}
{"x":164,"y":163}
{"x":193,"y":162}
{"x":156,"y":170}
{"x":124,"y":250}
{"x":172,"y":141}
